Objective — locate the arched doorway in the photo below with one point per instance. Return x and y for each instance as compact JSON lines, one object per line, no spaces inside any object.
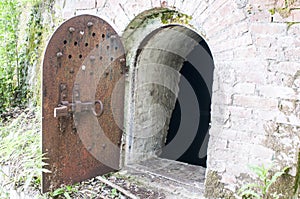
{"x":170,"y":61}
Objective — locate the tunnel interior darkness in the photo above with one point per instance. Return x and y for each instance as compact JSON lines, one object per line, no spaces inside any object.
{"x":202,"y":89}
{"x":172,"y":97}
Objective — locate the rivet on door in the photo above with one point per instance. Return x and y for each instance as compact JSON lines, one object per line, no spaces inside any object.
{"x":81,"y":137}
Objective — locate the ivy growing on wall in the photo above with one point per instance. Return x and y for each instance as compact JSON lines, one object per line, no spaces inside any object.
{"x":31,"y":51}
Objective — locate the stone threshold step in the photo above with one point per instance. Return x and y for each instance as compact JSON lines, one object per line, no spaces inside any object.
{"x":175,"y":179}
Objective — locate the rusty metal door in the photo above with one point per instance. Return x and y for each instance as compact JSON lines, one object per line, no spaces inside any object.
{"x":83,"y":95}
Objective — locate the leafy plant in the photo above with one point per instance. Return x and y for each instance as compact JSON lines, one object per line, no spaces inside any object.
{"x":114,"y":193}
{"x":261,"y":189}
{"x":64,"y":191}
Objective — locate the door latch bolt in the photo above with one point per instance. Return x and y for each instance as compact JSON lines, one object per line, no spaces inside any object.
{"x":65,"y":108}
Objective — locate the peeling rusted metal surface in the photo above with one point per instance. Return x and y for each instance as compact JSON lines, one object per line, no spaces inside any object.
{"x":82,"y":70}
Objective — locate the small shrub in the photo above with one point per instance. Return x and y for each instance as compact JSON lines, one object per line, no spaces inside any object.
{"x":260,"y":190}
{"x":64,"y":191}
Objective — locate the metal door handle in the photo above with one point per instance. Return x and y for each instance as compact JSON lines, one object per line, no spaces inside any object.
{"x":101,"y":108}
{"x":65,"y":108}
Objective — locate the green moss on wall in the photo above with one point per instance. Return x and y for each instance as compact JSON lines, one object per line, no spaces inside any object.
{"x":283,"y":186}
{"x":37,"y":31}
{"x":173,"y":16}
{"x":164,"y":15}
{"x":297,"y":178}
{"x":285,"y":11}
{"x":32,"y":50}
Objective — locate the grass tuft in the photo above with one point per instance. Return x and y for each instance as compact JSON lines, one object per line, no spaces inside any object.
{"x":21,"y":157}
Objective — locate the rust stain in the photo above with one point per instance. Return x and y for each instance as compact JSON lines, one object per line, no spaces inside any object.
{"x":82,"y":63}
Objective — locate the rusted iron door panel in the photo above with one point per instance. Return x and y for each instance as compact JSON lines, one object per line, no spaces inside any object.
{"x":82,"y":70}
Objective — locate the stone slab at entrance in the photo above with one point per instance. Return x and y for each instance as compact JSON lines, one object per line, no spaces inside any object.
{"x":174,"y":179}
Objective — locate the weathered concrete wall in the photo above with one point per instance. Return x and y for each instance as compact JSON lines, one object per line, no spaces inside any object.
{"x":255,"y":101}
{"x":156,"y":76}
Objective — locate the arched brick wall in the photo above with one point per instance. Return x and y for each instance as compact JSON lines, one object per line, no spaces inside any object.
{"x":255,"y":102}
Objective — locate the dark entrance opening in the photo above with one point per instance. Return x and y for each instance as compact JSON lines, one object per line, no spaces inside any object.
{"x":197,"y":71}
{"x":168,"y":139}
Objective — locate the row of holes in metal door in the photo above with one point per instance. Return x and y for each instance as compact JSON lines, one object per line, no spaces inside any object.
{"x":65,"y":42}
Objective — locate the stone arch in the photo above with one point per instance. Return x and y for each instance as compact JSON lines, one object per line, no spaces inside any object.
{"x":251,"y":53}
{"x":144,"y":42}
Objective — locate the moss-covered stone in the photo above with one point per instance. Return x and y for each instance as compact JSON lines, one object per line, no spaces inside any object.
{"x":214,"y":188}
{"x":297,"y":178}
{"x":35,"y":30}
{"x":283,"y":186}
{"x":173,"y":16}
{"x":146,"y":15}
{"x":284,"y":11}
{"x":164,"y":15}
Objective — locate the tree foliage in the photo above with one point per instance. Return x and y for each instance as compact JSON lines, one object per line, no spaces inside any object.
{"x":20,"y":50}
{"x":9,"y":59}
